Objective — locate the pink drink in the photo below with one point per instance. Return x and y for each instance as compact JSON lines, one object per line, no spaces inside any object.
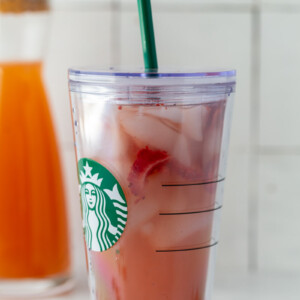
{"x":160,"y":165}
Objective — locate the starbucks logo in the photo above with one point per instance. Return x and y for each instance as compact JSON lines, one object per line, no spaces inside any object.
{"x":104,"y":206}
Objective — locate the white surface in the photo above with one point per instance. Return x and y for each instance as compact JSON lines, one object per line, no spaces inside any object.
{"x":187,"y":2}
{"x":233,"y":286}
{"x":280,"y":68}
{"x":77,"y":39}
{"x":279,"y":248}
{"x":71,"y":5}
{"x":281,"y":2}
{"x":263,"y":286}
{"x":233,"y":246}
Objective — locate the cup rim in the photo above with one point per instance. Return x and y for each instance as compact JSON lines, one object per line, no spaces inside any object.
{"x":141,"y":73}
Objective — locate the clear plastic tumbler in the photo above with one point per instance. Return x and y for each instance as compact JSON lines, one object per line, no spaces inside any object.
{"x":151,"y":153}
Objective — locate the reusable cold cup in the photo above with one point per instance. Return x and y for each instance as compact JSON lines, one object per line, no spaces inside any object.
{"x":151,"y":151}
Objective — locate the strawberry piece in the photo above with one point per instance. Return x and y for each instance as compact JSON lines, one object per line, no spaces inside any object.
{"x":147,"y":162}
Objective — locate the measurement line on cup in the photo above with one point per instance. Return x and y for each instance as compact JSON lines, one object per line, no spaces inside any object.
{"x":188,"y":249}
{"x":188,"y":184}
{"x":190,"y":212}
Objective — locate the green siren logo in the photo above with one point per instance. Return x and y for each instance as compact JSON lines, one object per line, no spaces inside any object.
{"x":104,"y":206}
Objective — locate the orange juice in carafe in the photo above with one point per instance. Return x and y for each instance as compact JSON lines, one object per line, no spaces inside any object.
{"x":34,"y":245}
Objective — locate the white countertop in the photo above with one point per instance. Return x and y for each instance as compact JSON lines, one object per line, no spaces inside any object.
{"x":233,"y":287}
{"x":258,"y":286}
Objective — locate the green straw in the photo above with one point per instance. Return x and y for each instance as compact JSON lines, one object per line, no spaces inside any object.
{"x":147,"y":34}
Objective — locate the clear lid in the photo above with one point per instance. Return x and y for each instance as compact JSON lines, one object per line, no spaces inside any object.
{"x":139,"y":86}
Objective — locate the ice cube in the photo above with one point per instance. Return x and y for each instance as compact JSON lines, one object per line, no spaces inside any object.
{"x":181,"y":151}
{"x":182,"y":231}
{"x":151,"y":129}
{"x":194,"y":119}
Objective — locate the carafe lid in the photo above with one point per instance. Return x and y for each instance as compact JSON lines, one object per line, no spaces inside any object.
{"x":20,"y":6}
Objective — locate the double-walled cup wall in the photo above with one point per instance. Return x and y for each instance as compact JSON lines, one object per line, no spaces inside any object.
{"x":151,"y":152}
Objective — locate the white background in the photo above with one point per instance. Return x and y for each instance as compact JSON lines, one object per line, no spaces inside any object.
{"x":259,"y":251}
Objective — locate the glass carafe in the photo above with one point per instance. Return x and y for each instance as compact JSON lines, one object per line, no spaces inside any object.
{"x":34,"y":246}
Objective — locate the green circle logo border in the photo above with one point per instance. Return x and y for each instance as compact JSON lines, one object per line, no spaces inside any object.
{"x":103,"y":205}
